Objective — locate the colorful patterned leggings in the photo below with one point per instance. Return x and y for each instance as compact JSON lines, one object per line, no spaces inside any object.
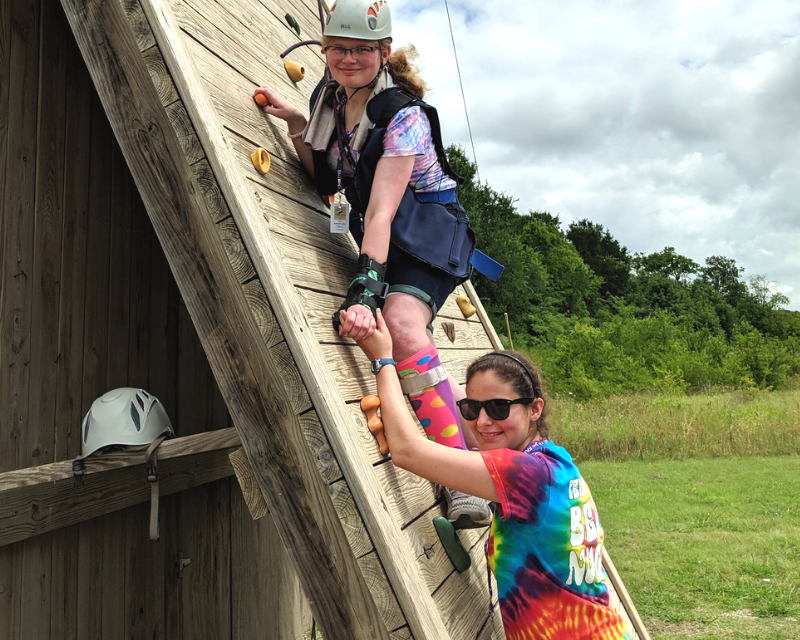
{"x":436,"y":407}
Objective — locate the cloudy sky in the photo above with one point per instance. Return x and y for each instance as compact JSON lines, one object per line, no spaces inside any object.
{"x":671,"y":123}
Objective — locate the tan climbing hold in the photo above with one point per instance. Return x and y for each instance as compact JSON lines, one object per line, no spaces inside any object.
{"x":261,"y":160}
{"x":295,"y":70}
{"x":467,"y":308}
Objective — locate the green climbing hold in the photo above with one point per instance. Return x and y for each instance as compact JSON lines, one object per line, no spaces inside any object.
{"x":290,"y":19}
{"x":452,"y":544}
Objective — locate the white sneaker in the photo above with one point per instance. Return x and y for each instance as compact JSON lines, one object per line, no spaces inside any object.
{"x":466,"y":511}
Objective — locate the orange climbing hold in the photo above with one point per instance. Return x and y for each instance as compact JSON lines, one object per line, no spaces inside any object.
{"x":370,"y":405}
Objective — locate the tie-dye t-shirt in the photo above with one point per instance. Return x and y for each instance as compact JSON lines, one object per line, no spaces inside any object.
{"x":545,"y":548}
{"x":408,"y":134}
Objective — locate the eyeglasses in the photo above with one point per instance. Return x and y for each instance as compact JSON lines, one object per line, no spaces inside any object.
{"x":356,"y":52}
{"x":496,"y":409}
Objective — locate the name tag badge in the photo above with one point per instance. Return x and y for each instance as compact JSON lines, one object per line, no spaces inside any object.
{"x":340,"y":216}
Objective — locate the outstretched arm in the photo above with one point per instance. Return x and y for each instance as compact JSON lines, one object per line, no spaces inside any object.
{"x":295,"y":121}
{"x":454,"y":468}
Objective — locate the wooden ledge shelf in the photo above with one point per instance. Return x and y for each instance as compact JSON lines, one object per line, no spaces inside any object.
{"x":41,"y":499}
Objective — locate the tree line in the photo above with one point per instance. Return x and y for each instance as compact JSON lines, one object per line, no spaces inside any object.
{"x":602,"y":320}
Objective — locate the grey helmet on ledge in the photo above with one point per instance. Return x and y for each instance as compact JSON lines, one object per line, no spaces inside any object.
{"x":124,"y":417}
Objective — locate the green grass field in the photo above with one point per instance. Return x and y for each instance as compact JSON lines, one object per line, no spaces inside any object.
{"x":707,"y":545}
{"x":650,"y":427}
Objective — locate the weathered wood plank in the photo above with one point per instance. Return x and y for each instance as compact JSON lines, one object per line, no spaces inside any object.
{"x":47,"y":239}
{"x":222,"y":34}
{"x":191,"y":146}
{"x":631,"y":613}
{"x":141,"y":29}
{"x":403,"y":633}
{"x":95,"y":321}
{"x":305,"y":13}
{"x":205,"y":524}
{"x":256,"y":505}
{"x":376,"y":579}
{"x":118,"y":298}
{"x":234,"y":248}
{"x":266,"y":593}
{"x":89,"y":587}
{"x":47,"y":213}
{"x":73,"y":260}
{"x":354,"y":527}
{"x":167,"y":93}
{"x":111,"y":604}
{"x":16,"y":272}
{"x":241,"y":362}
{"x":320,"y":447}
{"x":262,"y":312}
{"x":45,"y":498}
{"x":463,"y":599}
{"x":5,"y":76}
{"x":210,"y":189}
{"x":143,"y":244}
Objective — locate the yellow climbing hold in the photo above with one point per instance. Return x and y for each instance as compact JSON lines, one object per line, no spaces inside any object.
{"x":295,"y":70}
{"x":467,"y":308}
{"x":450,"y":431}
{"x":261,"y":160}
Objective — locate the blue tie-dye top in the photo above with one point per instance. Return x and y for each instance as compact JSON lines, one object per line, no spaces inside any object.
{"x":545,"y":548}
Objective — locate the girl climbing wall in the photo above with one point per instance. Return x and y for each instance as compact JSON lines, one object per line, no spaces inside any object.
{"x":374,"y":147}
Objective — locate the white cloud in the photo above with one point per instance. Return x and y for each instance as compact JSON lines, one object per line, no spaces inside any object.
{"x":672,"y":124}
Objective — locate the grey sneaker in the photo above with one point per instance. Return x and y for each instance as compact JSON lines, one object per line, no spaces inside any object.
{"x":465,"y":511}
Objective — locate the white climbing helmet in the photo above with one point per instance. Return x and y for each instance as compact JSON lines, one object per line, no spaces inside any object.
{"x":360,"y":19}
{"x":123,"y":416}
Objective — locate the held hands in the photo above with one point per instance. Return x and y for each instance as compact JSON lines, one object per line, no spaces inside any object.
{"x":357,"y":322}
{"x":378,"y":344}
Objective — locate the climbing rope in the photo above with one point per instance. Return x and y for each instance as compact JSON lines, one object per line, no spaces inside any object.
{"x":463,"y":96}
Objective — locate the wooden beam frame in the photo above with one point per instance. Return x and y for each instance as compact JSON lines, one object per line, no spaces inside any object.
{"x":44,"y":498}
{"x":243,"y":366}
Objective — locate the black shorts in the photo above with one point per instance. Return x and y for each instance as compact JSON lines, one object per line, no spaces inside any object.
{"x":406,"y":274}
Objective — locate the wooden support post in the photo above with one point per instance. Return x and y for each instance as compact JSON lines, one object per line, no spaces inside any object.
{"x":242,"y":365}
{"x":253,"y":498}
{"x":44,"y":498}
{"x":624,"y":597}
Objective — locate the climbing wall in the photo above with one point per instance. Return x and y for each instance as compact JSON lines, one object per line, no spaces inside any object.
{"x":205,"y":58}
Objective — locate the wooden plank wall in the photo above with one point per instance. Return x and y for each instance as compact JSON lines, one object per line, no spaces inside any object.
{"x":234,"y":47}
{"x":88,"y":303}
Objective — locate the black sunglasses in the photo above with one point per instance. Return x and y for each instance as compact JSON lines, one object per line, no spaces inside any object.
{"x":496,"y":409}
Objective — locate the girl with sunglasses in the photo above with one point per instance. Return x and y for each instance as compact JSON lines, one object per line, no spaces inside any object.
{"x":372,"y":144}
{"x":545,"y":547}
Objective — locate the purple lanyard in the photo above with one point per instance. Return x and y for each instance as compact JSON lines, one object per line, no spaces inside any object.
{"x":343,"y":140}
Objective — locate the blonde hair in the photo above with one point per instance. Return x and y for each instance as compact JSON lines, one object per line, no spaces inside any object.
{"x":402,"y":66}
